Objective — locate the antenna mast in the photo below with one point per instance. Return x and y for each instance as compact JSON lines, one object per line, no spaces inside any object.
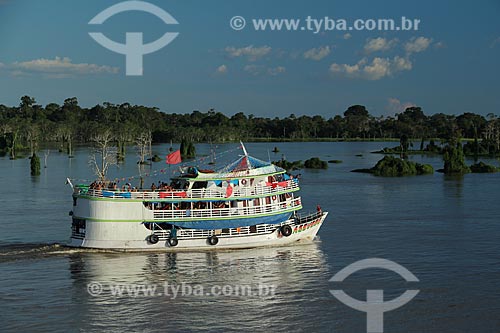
{"x":244,"y":149}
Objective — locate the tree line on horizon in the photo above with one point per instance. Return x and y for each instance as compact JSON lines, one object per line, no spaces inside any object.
{"x":29,"y":124}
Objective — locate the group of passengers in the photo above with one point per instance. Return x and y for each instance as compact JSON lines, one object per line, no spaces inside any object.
{"x":99,"y":185}
{"x":161,"y":187}
{"x":113,"y":186}
{"x":168,"y":205}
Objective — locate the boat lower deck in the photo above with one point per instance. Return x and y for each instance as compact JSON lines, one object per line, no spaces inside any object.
{"x":158,"y":238}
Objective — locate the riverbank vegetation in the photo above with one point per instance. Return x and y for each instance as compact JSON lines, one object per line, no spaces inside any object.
{"x":25,"y":126}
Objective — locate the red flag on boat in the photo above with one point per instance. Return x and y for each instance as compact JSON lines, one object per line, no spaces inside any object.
{"x":174,"y":158}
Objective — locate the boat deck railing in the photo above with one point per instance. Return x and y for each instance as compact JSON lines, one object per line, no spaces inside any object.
{"x":308,"y":217}
{"x":164,"y":234}
{"x":235,"y":232}
{"x":212,"y":193}
{"x":290,"y":204}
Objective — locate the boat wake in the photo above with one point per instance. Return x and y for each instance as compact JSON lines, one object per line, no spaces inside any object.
{"x":34,"y":251}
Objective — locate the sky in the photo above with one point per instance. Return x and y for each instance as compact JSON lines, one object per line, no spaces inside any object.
{"x":451,"y":64}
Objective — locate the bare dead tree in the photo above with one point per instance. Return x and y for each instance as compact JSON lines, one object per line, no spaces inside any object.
{"x":122,"y":137}
{"x":13,"y":129}
{"x":496,"y":133}
{"x":46,"y":156}
{"x":103,"y":155}
{"x":65,"y":133}
{"x":32,"y":133}
{"x":143,"y":146}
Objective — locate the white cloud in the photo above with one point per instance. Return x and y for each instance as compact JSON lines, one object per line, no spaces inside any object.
{"x":416,"y":45}
{"x":347,"y":36}
{"x":317,"y":53}
{"x":377,"y":69}
{"x":379,"y":44}
{"x":276,"y":70}
{"x":58,"y":68}
{"x":394,"y":105}
{"x":260,"y":70}
{"x":222,"y":69}
{"x":252,"y":53}
{"x":401,"y":64}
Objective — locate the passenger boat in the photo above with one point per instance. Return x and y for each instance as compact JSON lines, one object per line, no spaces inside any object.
{"x":248,"y":203}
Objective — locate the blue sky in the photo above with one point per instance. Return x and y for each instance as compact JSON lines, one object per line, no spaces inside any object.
{"x":450,"y":65}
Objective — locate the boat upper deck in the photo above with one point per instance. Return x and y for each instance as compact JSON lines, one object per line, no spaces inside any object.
{"x":211,"y":193}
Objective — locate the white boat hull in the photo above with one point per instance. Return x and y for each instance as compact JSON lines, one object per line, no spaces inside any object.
{"x":134,"y":236}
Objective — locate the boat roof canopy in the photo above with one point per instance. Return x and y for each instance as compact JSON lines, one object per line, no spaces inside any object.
{"x":243,"y":167}
{"x":244,"y":163}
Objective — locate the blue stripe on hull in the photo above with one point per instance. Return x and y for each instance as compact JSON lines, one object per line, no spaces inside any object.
{"x":232,"y":223}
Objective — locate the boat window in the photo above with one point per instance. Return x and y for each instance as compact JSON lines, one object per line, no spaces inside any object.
{"x":198,"y":185}
{"x":157,"y":225}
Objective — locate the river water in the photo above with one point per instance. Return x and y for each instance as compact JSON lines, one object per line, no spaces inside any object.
{"x":445,"y":230}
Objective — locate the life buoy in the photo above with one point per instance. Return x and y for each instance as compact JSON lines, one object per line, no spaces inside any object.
{"x":273,"y":197}
{"x":213,"y":240}
{"x":153,"y":239}
{"x":173,"y":242}
{"x":243,"y":182}
{"x":286,"y":230}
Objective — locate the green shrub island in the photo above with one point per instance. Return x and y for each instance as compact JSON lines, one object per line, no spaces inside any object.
{"x":289,"y":165}
{"x":390,"y":166}
{"x":35,"y":165}
{"x":156,"y":158}
{"x":482,"y":167}
{"x":315,"y":163}
{"x":454,"y":160}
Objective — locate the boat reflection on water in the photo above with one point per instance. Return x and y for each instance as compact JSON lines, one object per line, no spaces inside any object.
{"x":216,"y":290}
